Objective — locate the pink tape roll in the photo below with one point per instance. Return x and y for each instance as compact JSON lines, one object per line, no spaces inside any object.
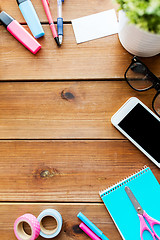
{"x":32,"y":222}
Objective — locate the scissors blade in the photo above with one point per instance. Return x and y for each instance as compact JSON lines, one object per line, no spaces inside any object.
{"x":134,"y":200}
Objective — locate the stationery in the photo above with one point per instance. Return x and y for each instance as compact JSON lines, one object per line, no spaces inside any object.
{"x":50,"y":20}
{"x":19,"y":32}
{"x":154,"y":225}
{"x":50,"y":233}
{"x":33,"y":223}
{"x":31,"y":17}
{"x":60,"y":21}
{"x":36,"y":225}
{"x":91,"y":234}
{"x":146,"y":188}
{"x":95,"y":26}
{"x":93,"y":227}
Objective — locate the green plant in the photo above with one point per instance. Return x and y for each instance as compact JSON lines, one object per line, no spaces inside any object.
{"x":144,"y":13}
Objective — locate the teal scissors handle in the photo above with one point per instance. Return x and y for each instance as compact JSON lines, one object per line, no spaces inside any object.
{"x":144,"y":227}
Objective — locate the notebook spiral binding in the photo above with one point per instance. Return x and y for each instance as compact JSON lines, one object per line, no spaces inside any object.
{"x":112,"y":188}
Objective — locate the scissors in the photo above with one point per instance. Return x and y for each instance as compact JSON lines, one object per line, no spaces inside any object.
{"x":142,"y":216}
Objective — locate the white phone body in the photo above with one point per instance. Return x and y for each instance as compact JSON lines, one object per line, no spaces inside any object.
{"x":123,"y":112}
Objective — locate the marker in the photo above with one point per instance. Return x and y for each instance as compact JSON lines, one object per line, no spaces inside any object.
{"x":89,"y":224}
{"x":60,"y":20}
{"x":31,"y":17}
{"x":50,"y":20}
{"x":19,"y":32}
{"x":89,"y":232}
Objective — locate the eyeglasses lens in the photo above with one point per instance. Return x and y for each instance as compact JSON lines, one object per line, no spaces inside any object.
{"x":137,"y":76}
{"x":157,"y":104}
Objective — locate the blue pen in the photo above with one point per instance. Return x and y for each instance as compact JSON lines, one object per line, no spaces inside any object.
{"x":31,"y":17}
{"x":60,"y":20}
{"x":89,"y":224}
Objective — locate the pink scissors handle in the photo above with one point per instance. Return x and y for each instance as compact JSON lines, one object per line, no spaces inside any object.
{"x":144,"y":227}
{"x":151,"y":222}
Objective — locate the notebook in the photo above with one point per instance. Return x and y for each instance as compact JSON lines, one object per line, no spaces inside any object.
{"x":146,"y":189}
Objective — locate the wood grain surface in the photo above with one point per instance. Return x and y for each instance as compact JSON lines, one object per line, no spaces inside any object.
{"x":63,"y":171}
{"x":71,"y":9}
{"x":95,"y":212}
{"x":103,"y":58}
{"x":63,"y":110}
{"x":58,"y":148}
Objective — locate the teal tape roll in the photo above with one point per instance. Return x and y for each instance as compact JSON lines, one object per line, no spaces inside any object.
{"x":57,"y":216}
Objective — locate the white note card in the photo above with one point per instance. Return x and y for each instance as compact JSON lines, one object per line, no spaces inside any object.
{"x":95,"y":26}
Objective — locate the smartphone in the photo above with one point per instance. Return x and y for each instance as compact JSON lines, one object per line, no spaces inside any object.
{"x":141,"y":126}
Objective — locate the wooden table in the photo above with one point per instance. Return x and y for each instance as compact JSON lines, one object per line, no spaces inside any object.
{"x":58,"y":147}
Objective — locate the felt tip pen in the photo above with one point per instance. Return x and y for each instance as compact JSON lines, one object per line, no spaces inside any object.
{"x":89,"y":232}
{"x":31,"y":17}
{"x":89,"y":224}
{"x":19,"y":32}
{"x":50,"y":20}
{"x":60,"y":21}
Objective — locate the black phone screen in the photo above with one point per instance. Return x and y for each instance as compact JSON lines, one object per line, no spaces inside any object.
{"x":143,"y":128}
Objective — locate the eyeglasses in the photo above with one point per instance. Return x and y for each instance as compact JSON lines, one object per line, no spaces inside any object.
{"x":141,"y":79}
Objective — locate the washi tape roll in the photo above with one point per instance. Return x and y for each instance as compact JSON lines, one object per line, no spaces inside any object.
{"x":57,"y":216}
{"x":32,"y":221}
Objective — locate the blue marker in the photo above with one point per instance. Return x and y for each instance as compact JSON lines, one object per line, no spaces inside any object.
{"x":89,"y":224}
{"x":31,"y":17}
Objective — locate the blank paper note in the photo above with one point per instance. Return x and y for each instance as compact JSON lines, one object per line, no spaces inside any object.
{"x":95,"y":26}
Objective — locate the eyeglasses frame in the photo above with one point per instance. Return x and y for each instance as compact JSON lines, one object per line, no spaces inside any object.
{"x":155,"y":80}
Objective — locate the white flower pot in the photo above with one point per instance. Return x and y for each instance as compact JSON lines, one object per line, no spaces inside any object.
{"x":137,"y":41}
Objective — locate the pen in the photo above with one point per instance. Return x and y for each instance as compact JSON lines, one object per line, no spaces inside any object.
{"x":50,"y":20}
{"x":89,"y":224}
{"x":60,"y":21}
{"x":89,"y":232}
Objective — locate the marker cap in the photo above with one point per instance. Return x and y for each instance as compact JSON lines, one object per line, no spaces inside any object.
{"x":20,"y":1}
{"x":5,"y":18}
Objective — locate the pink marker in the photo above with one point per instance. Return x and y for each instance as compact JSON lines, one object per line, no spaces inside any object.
{"x":19,"y":32}
{"x":89,"y":232}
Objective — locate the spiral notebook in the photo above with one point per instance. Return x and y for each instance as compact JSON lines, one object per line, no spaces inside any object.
{"x":146,"y":189}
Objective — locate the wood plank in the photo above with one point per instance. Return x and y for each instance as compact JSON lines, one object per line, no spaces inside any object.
{"x":63,"y":171}
{"x":103,"y":58}
{"x":71,"y":9}
{"x":97,"y":213}
{"x":63,"y":110}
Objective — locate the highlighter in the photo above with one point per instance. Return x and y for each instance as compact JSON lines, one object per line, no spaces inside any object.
{"x":19,"y":32}
{"x":89,"y":232}
{"x":31,"y":17}
{"x":91,"y":226}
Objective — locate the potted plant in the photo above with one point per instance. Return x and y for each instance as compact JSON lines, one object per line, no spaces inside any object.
{"x":139,"y":26}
